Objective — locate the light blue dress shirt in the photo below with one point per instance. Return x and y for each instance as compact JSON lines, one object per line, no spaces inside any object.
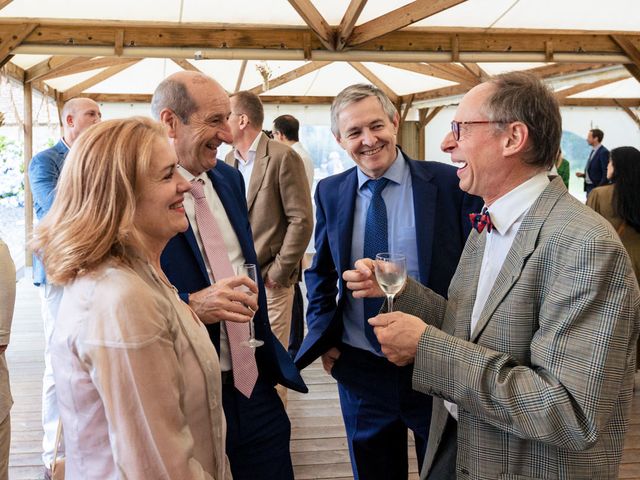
{"x":398,"y":198}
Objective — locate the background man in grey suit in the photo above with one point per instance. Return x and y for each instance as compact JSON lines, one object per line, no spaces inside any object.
{"x":532,"y":357}
{"x":78,"y":114}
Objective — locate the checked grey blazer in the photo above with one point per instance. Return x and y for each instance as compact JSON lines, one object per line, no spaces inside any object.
{"x":544,"y":384}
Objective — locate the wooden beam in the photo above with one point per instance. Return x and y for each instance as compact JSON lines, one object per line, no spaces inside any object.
{"x":431,"y":70}
{"x":503,"y":44}
{"x":5,"y":60}
{"x":474,"y":69}
{"x":349,"y":22}
{"x":27,"y":154}
{"x":185,"y":64}
{"x":85,"y":66}
{"x":243,"y":67}
{"x":600,"y":102}
{"x":632,"y":52}
{"x":271,"y":99}
{"x":558,"y":69}
{"x":14,"y":38}
{"x":456,"y":71}
{"x":315,"y":21}
{"x":634,"y":70}
{"x":407,"y":107}
{"x":629,"y":112}
{"x":4,"y":3}
{"x":44,"y":69}
{"x":118,"y":42}
{"x":583,"y":87}
{"x":399,"y":18}
{"x":90,"y":82}
{"x":369,"y":75}
{"x":434,"y":111}
{"x":289,"y":76}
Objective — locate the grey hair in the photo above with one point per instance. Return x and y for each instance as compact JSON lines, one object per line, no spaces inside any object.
{"x":523,"y":97}
{"x":355,"y":93}
{"x":174,"y":95}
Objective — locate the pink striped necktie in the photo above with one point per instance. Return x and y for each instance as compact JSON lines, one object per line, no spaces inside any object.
{"x":245,"y":370}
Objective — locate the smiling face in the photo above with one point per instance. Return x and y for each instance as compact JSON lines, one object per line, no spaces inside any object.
{"x":159,"y":211}
{"x":479,"y":153}
{"x":368,"y":136}
{"x":196,"y":142}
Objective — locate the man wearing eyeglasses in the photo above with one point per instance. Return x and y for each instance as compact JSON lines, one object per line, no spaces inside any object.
{"x":388,"y":203}
{"x":531,"y":358}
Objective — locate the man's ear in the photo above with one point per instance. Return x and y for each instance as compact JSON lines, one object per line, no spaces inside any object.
{"x":396,"y":122}
{"x":170,"y":120}
{"x":69,"y":120}
{"x":516,"y":138}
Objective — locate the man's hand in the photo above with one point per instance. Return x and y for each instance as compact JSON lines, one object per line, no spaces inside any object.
{"x":329,"y":358}
{"x":270,"y":283}
{"x":398,"y":334}
{"x":580,"y":174}
{"x":362,"y":281}
{"x":225,"y":301}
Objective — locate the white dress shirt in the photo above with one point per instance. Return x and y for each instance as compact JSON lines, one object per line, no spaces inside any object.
{"x":308,"y":162}
{"x":230,"y":241}
{"x":506,"y":215}
{"x":246,"y":165}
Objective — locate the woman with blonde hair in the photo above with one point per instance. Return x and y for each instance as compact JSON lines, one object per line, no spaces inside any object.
{"x":138,"y":380}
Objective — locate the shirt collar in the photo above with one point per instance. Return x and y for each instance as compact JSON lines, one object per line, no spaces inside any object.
{"x":510,"y":207}
{"x":65,"y":143}
{"x":251,"y":152}
{"x":190,"y":177}
{"x":395,"y":172}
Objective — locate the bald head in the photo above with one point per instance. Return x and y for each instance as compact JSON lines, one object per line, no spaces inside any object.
{"x":78,"y":114}
{"x":177,"y":92}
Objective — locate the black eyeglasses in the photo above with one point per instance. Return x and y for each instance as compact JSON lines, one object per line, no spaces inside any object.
{"x":455,"y":126}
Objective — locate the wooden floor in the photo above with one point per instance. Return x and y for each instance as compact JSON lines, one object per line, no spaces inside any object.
{"x":318,"y":444}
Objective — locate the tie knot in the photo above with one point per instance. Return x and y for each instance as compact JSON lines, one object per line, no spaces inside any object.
{"x":197,"y":188}
{"x":481,"y":220}
{"x":376,"y":186}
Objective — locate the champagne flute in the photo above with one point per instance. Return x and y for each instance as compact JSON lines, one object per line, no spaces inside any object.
{"x":391,"y":273}
{"x":249,"y":270}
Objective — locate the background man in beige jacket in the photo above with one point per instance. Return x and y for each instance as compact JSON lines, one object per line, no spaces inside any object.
{"x":279,"y":204}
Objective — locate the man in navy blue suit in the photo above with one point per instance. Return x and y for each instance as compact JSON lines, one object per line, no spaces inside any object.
{"x":425,"y":215}
{"x":196,"y":109}
{"x":595,"y":171}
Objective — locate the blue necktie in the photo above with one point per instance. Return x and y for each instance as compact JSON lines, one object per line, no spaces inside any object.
{"x":375,"y":241}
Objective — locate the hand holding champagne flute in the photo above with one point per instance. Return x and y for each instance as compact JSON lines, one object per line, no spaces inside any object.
{"x":249,"y":270}
{"x":391,"y":273}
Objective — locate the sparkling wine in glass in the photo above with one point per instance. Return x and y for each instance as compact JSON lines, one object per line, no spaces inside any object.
{"x":249,"y":270}
{"x":391,"y":273}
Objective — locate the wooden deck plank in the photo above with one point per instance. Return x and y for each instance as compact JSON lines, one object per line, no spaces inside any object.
{"x":318,"y":444}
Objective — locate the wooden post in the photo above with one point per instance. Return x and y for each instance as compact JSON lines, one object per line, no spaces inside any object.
{"x":28,"y":153}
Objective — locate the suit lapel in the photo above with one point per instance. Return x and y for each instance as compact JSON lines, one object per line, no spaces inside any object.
{"x":523,"y":245}
{"x":470,"y":263}
{"x":193,"y":244}
{"x":347,"y":192}
{"x":424,"y":206}
{"x":260,"y":165}
{"x":229,"y":202}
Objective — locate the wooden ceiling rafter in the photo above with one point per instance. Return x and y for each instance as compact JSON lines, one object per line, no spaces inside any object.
{"x":95,"y":79}
{"x":4,"y":3}
{"x":315,"y":21}
{"x":478,"y":73}
{"x":629,"y":112}
{"x":374,"y":79}
{"x":584,"y":87}
{"x":427,"y":69}
{"x":15,"y":37}
{"x":85,"y":66}
{"x":398,"y":18}
{"x":243,"y":68}
{"x":185,"y":65}
{"x":632,"y":52}
{"x":289,"y":76}
{"x":47,"y":68}
{"x":348,"y":22}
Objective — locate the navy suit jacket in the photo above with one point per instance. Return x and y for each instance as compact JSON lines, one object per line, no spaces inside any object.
{"x":44,"y":172}
{"x":442,"y":226}
{"x":597,"y":168}
{"x":183,"y":264}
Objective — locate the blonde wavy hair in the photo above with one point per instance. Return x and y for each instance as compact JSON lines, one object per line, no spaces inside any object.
{"x":92,"y":217}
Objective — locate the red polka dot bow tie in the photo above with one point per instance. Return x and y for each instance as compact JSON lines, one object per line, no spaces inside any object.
{"x":481,"y":220}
